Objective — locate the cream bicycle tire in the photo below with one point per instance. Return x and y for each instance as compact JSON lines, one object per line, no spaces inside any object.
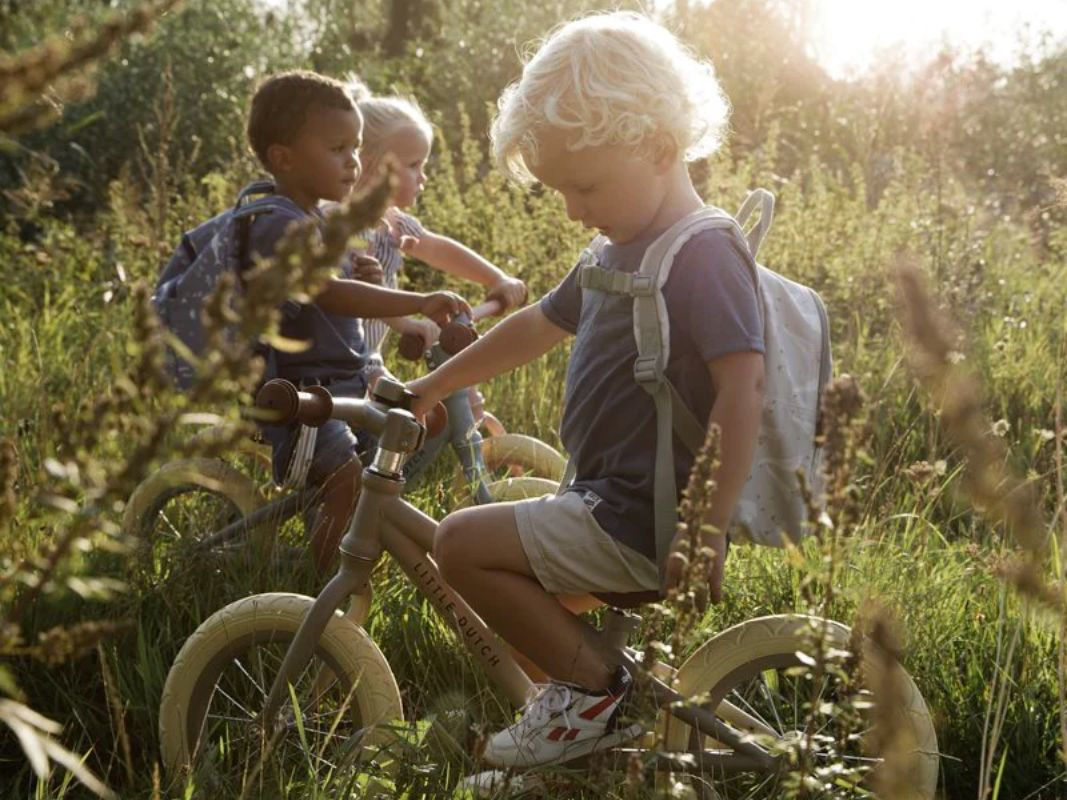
{"x":511,"y":489}
{"x":159,"y":517}
{"x":372,"y":700}
{"x":532,"y":456}
{"x":773,"y":642}
{"x":212,"y":474}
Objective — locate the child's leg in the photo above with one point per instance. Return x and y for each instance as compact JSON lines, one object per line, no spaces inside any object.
{"x":480,"y":555}
{"x":511,"y":562}
{"x":575,"y":604}
{"x":340,"y":491}
{"x":335,"y":468}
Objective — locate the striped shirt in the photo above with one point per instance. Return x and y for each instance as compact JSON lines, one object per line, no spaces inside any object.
{"x":385,"y":246}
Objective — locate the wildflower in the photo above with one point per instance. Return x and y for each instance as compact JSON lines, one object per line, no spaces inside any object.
{"x":920,"y":472}
{"x":1001,"y":427}
{"x":923,"y":471}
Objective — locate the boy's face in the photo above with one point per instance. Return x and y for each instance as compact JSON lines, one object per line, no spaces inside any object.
{"x":322,"y":162}
{"x":607,"y":187}
{"x":410,"y":148}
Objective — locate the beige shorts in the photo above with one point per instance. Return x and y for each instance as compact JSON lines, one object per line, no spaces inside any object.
{"x":569,"y":552}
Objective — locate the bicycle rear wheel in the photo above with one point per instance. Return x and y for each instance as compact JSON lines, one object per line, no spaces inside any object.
{"x":849,"y":739}
{"x":334,"y":721}
{"x":181,"y":503}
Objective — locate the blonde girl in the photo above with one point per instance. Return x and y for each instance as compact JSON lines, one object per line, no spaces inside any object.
{"x":396,"y":126}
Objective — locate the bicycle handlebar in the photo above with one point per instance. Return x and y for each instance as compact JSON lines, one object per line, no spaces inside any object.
{"x":455,"y":336}
{"x":315,"y":405}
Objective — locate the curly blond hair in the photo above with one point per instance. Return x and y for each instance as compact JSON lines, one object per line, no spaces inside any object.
{"x":610,"y":78}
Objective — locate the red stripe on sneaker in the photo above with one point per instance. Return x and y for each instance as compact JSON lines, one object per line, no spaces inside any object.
{"x":593,"y":711}
{"x":556,"y":733}
{"x":571,"y":734}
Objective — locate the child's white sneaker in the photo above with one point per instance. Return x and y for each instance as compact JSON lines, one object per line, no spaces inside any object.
{"x":562,"y":722}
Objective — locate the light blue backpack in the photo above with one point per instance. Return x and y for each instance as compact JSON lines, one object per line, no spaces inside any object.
{"x":203,"y":256}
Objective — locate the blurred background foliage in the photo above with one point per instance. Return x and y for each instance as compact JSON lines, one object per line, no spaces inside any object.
{"x":957,"y":162}
{"x":1001,"y":128}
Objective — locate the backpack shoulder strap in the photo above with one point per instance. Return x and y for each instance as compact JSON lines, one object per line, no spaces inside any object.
{"x":652,"y":334}
{"x":247,"y":210}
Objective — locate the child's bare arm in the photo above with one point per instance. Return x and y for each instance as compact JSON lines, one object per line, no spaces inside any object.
{"x":448,"y":255}
{"x":520,"y":338}
{"x":358,"y":299}
{"x":738,"y":382}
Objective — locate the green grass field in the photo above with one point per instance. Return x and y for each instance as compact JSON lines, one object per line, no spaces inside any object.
{"x":981,"y":635}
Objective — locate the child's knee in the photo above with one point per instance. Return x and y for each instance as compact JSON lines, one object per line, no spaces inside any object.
{"x":449,"y":545}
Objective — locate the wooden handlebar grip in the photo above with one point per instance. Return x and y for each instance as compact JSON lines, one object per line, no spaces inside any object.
{"x":411,"y":346}
{"x":490,"y":308}
{"x":455,"y":336}
{"x":436,"y":420}
{"x":312,"y":407}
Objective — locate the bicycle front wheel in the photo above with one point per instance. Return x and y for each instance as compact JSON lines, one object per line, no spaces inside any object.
{"x":512,"y":489}
{"x":513,"y":455}
{"x":334,"y":723}
{"x":838,"y":737}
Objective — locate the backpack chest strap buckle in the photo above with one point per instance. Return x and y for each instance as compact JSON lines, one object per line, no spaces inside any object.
{"x":648,"y":372}
{"x":615,"y":282}
{"x":641,"y":285}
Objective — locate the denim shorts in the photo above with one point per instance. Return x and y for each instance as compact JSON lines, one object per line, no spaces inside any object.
{"x":335,"y":443}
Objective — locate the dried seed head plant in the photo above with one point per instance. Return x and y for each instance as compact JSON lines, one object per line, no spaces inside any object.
{"x":89,"y":474}
{"x":838,"y":706}
{"x":90,"y":482}
{"x":957,"y":396}
{"x":1008,"y":501}
{"x":61,"y":61}
{"x":690,"y":597}
{"x":889,"y":736}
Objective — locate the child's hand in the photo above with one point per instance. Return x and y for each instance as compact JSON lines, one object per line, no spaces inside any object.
{"x":408,"y":244}
{"x":367,"y":269}
{"x":509,"y":291}
{"x":441,"y":307}
{"x":679,"y":560}
{"x":425,"y":329}
{"x":426,"y":397}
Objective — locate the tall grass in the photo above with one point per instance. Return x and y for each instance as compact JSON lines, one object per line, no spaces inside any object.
{"x":979,"y":630}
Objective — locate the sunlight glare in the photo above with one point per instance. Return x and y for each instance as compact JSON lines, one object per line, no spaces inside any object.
{"x":850,"y":35}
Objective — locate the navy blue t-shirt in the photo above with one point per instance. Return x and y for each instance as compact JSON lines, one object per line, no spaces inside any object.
{"x":337,"y":348}
{"x":609,"y":421}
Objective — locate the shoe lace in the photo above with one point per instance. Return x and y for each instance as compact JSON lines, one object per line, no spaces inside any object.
{"x":553,"y":698}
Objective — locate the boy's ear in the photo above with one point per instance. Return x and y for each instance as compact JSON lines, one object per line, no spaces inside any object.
{"x":279,"y":157}
{"x":663,"y":151}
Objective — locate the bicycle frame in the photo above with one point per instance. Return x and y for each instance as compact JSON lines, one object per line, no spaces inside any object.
{"x":385,"y":522}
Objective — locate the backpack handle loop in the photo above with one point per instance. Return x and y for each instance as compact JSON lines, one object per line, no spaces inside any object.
{"x":765,"y":201}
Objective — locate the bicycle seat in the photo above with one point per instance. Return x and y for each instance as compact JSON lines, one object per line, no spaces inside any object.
{"x":625,"y":600}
